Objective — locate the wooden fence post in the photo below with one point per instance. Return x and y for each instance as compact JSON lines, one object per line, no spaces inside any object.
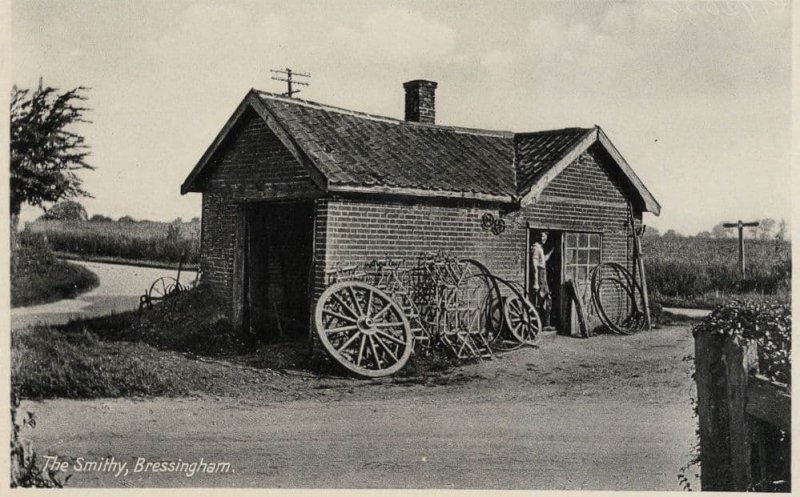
{"x":714,"y":446}
{"x":740,"y":358}
{"x":722,"y":368}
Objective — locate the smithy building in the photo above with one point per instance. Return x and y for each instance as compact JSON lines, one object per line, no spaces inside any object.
{"x":292,"y":188}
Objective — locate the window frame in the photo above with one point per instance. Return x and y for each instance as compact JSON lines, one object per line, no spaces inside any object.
{"x":571,"y":271}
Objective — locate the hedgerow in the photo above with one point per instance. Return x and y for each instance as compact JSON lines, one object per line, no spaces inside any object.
{"x":769,"y":324}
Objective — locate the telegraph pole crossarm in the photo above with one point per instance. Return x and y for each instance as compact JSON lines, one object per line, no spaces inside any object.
{"x":288,"y":76}
{"x":740,"y":225}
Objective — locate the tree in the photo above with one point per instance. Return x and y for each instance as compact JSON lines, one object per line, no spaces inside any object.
{"x":126,"y":219}
{"x":651,"y":232}
{"x":720,"y":231}
{"x":672,"y":234}
{"x":67,"y":210}
{"x":782,"y":230}
{"x":45,"y":153}
{"x":766,"y":228}
{"x":704,"y":234}
{"x":99,"y":218}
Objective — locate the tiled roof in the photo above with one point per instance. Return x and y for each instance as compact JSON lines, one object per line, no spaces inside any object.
{"x":358,"y":152}
{"x":356,"y":149}
{"x":536,"y":152}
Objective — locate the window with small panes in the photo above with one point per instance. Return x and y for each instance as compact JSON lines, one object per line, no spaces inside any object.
{"x":581,"y":254}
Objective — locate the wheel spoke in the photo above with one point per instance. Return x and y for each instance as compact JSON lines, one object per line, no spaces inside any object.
{"x":388,"y":325}
{"x":369,"y":302}
{"x":340,"y":329}
{"x":390,"y":337}
{"x":340,"y":316}
{"x":380,"y":313}
{"x":361,"y":349}
{"x":344,"y":305}
{"x":355,"y":301}
{"x":386,"y":348}
{"x":348,"y":342}
{"x":374,"y":352}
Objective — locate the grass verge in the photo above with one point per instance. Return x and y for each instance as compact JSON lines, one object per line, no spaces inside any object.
{"x":49,"y":363}
{"x":710,"y":300}
{"x":50,"y":281}
{"x":133,"y":354}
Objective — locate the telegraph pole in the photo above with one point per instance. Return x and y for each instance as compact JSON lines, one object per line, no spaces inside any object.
{"x":740,"y":225}
{"x":288,"y":76}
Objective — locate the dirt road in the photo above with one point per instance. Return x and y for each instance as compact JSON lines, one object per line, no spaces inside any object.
{"x":603,"y":413}
{"x":119,"y":291}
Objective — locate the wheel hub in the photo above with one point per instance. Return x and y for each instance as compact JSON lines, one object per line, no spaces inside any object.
{"x":366,"y":325}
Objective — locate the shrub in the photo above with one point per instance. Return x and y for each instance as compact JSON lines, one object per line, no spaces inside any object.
{"x":769,"y":324}
{"x":38,"y":277}
{"x":25,"y":468}
{"x":67,"y":210}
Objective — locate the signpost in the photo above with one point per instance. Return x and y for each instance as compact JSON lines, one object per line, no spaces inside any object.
{"x":741,"y":227}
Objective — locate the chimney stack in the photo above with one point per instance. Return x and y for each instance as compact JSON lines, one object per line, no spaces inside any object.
{"x":420,"y":101}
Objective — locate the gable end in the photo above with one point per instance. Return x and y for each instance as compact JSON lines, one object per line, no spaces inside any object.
{"x":253,"y":164}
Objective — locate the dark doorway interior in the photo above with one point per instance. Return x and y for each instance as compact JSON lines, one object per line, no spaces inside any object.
{"x":277,"y":270}
{"x":554,"y":272}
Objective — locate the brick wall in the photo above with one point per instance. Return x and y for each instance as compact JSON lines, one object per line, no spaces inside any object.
{"x":254,"y":165}
{"x":217,"y":243}
{"x":586,"y":196}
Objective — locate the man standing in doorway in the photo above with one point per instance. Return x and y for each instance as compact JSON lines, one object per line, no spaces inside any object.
{"x":541,"y":289}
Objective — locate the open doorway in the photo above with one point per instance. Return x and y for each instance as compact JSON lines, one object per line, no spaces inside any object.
{"x":553,"y":268}
{"x":278,"y":261}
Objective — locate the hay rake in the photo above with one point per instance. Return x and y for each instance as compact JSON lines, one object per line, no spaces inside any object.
{"x":371,"y":318}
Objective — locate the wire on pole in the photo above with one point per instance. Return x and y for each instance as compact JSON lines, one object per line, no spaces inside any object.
{"x":288,"y":76}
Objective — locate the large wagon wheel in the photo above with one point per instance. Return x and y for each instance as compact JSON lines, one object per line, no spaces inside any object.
{"x":363,"y":329}
{"x":159,"y":290}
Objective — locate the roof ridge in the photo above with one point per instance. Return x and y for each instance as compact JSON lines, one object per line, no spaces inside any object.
{"x":375,"y":117}
{"x":553,"y":131}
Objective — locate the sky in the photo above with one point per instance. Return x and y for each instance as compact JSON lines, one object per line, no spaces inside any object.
{"x":696,"y":96}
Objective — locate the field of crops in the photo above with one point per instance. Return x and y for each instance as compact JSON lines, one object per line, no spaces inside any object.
{"x":704,"y":272}
{"x":139,"y":241}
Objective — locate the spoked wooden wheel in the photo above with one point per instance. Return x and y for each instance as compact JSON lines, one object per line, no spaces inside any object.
{"x":363,"y":329}
{"x":522,"y":319}
{"x":500,"y":338}
{"x":161,"y":289}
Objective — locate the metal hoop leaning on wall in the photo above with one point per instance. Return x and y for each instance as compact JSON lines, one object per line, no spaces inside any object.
{"x":635,"y":319}
{"x":522,"y":319}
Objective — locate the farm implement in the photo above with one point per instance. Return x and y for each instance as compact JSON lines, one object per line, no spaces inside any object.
{"x":164,"y":287}
{"x":372,"y":318}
